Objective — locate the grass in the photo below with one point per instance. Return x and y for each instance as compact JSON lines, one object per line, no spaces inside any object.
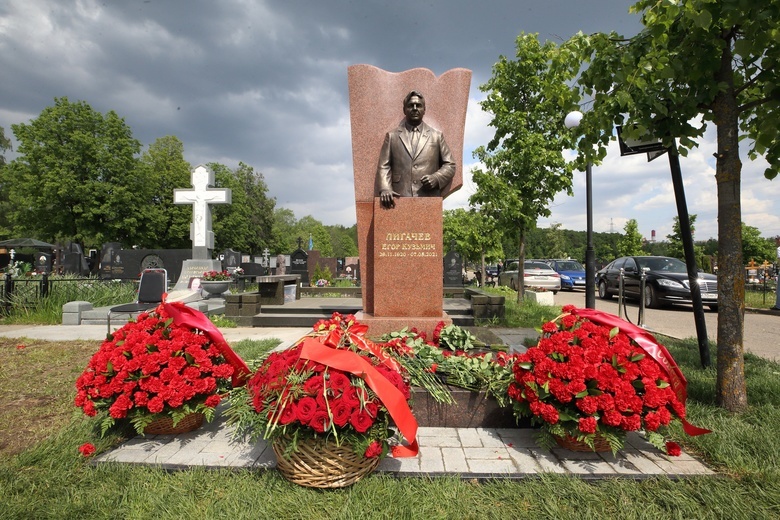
{"x":43,"y":476}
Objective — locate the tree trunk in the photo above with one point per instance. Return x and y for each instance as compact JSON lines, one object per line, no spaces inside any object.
{"x":520,"y":262}
{"x":730,"y":389}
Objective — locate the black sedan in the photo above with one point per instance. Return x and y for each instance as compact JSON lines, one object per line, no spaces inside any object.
{"x":666,"y":281}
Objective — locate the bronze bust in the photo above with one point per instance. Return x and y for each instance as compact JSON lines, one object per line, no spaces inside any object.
{"x":415,"y":160}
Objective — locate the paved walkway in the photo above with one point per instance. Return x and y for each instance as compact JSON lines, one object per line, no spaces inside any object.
{"x":467,"y":452}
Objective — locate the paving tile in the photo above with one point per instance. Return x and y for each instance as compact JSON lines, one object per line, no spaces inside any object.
{"x":524,"y":460}
{"x":469,"y":437}
{"x":547,"y":461}
{"x":588,"y":466}
{"x":487,"y":453}
{"x":467,"y":452}
{"x":431,"y":460}
{"x":454,"y":460}
{"x":495,"y":466}
{"x":518,"y":437}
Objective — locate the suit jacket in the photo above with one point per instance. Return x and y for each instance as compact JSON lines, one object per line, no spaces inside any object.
{"x":400,"y":172}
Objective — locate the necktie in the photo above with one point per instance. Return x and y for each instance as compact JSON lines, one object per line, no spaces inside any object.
{"x":415,"y":140}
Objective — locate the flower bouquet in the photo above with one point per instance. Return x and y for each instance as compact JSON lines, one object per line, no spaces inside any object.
{"x":170,"y":366}
{"x":453,"y":356}
{"x":326,"y":404}
{"x":216,"y":276}
{"x":593,"y":377}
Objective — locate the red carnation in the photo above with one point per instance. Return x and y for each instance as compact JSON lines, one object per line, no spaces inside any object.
{"x":587,"y":425}
{"x":213,"y":400}
{"x":87,"y":449}
{"x":673,"y":449}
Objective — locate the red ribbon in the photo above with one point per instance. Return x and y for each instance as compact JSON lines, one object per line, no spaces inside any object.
{"x":658,"y":352}
{"x":355,"y":336}
{"x":189,"y":317}
{"x":392,"y":398}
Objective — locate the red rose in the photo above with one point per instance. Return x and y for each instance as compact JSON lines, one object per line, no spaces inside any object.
{"x":87,"y":449}
{"x":320,"y":422}
{"x":288,"y":414}
{"x":374,"y":450}
{"x":341,"y":413}
{"x":361,"y":421}
{"x":305,"y":409}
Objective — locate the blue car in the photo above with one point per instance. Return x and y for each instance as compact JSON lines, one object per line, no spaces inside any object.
{"x":572,"y":273}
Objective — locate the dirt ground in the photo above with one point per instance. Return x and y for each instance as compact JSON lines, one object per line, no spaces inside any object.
{"x":37,"y":387}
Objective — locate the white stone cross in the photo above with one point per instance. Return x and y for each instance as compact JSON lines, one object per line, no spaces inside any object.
{"x":201,"y":197}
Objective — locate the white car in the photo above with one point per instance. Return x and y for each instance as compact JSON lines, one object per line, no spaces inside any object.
{"x":535,"y":274}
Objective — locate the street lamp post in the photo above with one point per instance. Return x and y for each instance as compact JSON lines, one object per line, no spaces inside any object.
{"x":572,"y":121}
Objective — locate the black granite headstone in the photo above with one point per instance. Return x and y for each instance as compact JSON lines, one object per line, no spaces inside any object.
{"x":299,"y":264}
{"x":453,"y":269}
{"x":111,"y":261}
{"x":43,"y":262}
{"x":231,"y":260}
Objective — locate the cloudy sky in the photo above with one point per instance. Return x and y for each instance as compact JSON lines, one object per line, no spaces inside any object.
{"x":265,"y":82}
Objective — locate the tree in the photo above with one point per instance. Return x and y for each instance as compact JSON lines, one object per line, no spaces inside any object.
{"x":283,"y":231}
{"x":694,"y":63}
{"x":342,"y":240}
{"x":554,"y":243}
{"x":524,"y":166}
{"x":76,"y":177}
{"x":307,"y":227}
{"x":630,"y":244}
{"x":755,"y":247}
{"x":163,"y":168}
{"x":5,"y":144}
{"x":476,"y":236}
{"x":675,"y":244}
{"x":247,"y":223}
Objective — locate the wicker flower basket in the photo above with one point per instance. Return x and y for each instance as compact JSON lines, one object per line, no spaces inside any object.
{"x":600,"y":444}
{"x":164,"y":425}
{"x":322,"y":464}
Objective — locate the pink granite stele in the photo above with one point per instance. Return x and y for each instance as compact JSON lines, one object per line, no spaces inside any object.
{"x":401,"y":248}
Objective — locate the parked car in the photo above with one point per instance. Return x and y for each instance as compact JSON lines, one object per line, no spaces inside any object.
{"x":571,"y":271}
{"x":535,"y":274}
{"x":666,"y":281}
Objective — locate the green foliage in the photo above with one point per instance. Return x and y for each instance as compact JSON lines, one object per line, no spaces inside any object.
{"x":756,"y":247}
{"x":477,"y":236}
{"x":524,"y":166}
{"x":695,"y":63}
{"x":675,"y":247}
{"x":76,"y":177}
{"x":163,"y":169}
{"x":321,"y":273}
{"x":245,"y":224}
{"x":630,"y":244}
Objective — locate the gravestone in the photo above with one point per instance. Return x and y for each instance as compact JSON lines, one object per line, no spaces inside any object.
{"x":202,"y":196}
{"x":111,"y":261}
{"x":453,"y":268}
{"x":231,"y":260}
{"x":188,"y":286}
{"x":73,"y":260}
{"x":299,"y":263}
{"x":43,"y":262}
{"x":402,"y":290}
{"x":281,"y":264}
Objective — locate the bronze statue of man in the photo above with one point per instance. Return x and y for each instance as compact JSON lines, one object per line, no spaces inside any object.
{"x":415,"y":160}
